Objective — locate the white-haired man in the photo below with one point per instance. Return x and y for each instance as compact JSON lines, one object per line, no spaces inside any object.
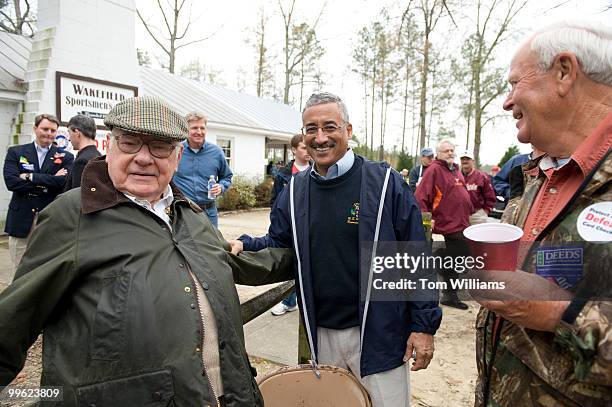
{"x":557,"y":353}
{"x":442,"y":192}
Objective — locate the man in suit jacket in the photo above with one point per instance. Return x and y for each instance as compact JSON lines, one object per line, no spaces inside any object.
{"x":36,"y":173}
{"x":82,"y":132}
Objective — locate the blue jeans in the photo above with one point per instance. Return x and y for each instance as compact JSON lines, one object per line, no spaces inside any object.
{"x":213,"y":216}
{"x":291,"y":299}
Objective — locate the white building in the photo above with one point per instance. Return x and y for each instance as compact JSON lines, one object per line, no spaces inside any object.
{"x":90,"y":44}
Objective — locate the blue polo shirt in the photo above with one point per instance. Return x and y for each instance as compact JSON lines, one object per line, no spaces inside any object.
{"x":196,"y":168}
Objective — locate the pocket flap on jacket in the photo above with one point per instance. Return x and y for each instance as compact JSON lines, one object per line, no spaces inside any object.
{"x":149,"y":389}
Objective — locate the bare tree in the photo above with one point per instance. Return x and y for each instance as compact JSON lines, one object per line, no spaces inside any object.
{"x":263,"y":72}
{"x":486,"y":81}
{"x":431,"y":11}
{"x":200,"y":72}
{"x":386,"y":48}
{"x":364,"y":62}
{"x":407,"y":38}
{"x":300,"y":42}
{"x":16,"y":18}
{"x":170,"y":38}
{"x":308,"y":71}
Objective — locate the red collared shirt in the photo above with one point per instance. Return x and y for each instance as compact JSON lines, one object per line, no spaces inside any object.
{"x":562,"y":183}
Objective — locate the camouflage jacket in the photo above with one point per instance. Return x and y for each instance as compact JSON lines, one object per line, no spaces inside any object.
{"x":572,"y":366}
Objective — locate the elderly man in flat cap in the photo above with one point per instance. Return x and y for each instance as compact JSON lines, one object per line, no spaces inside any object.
{"x":133,"y":288}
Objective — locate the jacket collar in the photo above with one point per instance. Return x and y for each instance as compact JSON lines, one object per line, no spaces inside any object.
{"x":99,"y":193}
{"x":444,"y":164}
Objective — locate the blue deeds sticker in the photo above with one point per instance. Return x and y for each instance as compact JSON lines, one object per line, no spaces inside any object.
{"x":563,"y":265}
{"x":594,"y":223}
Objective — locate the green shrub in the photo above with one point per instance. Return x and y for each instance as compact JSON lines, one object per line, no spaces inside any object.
{"x":263,"y":192}
{"x":241,"y":195}
{"x":230,"y":200}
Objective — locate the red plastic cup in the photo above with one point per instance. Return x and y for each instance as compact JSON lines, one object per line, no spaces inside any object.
{"x":497,"y":243}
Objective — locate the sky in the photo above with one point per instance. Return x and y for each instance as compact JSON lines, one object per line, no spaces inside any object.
{"x":229,"y":25}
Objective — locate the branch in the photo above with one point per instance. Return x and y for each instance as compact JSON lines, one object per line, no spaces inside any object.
{"x":161,"y":8}
{"x":404,"y":15}
{"x":151,"y":33}
{"x":193,"y":42}
{"x":504,"y":26}
{"x":25,"y":15}
{"x":314,"y":25}
{"x":449,"y":13}
{"x":493,"y":97}
{"x":487,"y":19}
{"x":180,"y":37}
{"x":497,"y":116}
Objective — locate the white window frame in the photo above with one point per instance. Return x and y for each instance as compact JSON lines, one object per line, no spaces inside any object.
{"x":232,"y":149}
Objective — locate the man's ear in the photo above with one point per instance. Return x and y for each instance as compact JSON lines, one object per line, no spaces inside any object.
{"x":349,"y":130}
{"x":179,"y":155}
{"x":565,"y":68}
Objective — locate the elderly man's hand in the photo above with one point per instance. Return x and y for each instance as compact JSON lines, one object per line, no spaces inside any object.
{"x":61,"y":172}
{"x":424,"y":345}
{"x":216,"y":190}
{"x":538,"y":315}
{"x":528,"y":300}
{"x":237,"y":247}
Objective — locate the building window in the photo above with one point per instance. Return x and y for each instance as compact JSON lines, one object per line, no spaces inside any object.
{"x":226,"y":145}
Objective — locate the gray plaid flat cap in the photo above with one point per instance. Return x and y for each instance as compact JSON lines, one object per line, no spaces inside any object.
{"x":148,"y":115}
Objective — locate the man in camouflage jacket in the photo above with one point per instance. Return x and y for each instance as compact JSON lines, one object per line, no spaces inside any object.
{"x":530,"y":351}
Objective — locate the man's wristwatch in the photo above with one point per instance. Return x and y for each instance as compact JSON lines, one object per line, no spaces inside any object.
{"x":28,"y":176}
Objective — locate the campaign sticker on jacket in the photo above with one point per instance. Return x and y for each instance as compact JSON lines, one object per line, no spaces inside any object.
{"x":594,"y":223}
{"x":563,"y":264}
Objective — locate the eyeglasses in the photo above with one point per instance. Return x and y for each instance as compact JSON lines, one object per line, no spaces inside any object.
{"x":132,"y":144}
{"x":327,"y":129}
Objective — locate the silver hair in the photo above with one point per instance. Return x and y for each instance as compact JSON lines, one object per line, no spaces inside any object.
{"x":590,"y":41}
{"x":326,"y":97}
{"x":444,"y":142}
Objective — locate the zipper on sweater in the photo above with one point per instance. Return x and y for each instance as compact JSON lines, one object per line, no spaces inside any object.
{"x":199,"y":305}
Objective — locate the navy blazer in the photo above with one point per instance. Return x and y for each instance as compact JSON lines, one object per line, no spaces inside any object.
{"x":31,"y":197}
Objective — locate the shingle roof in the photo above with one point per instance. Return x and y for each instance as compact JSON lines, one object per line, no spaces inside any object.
{"x":220,"y":105}
{"x":14,"y":54}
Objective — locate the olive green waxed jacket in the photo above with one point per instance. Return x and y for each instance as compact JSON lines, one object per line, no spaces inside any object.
{"x":108,"y":282}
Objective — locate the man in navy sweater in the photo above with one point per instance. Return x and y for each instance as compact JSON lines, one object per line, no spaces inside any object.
{"x":202,"y":159}
{"x":328,"y":214}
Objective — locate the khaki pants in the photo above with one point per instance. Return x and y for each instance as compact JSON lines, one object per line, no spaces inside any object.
{"x":480,"y":216}
{"x":341,"y":348}
{"x":17,"y":247}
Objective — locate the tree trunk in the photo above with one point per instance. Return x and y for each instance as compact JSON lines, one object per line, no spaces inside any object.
{"x":477,"y":114}
{"x":261,"y":61}
{"x":423,"y":101}
{"x":406,"y":79}
{"x":287,"y":78}
{"x":301,"y":83}
{"x":372,"y":110}
{"x":469,"y":112}
{"x":382,"y":110}
{"x":171,"y":56}
{"x":365,"y":105}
